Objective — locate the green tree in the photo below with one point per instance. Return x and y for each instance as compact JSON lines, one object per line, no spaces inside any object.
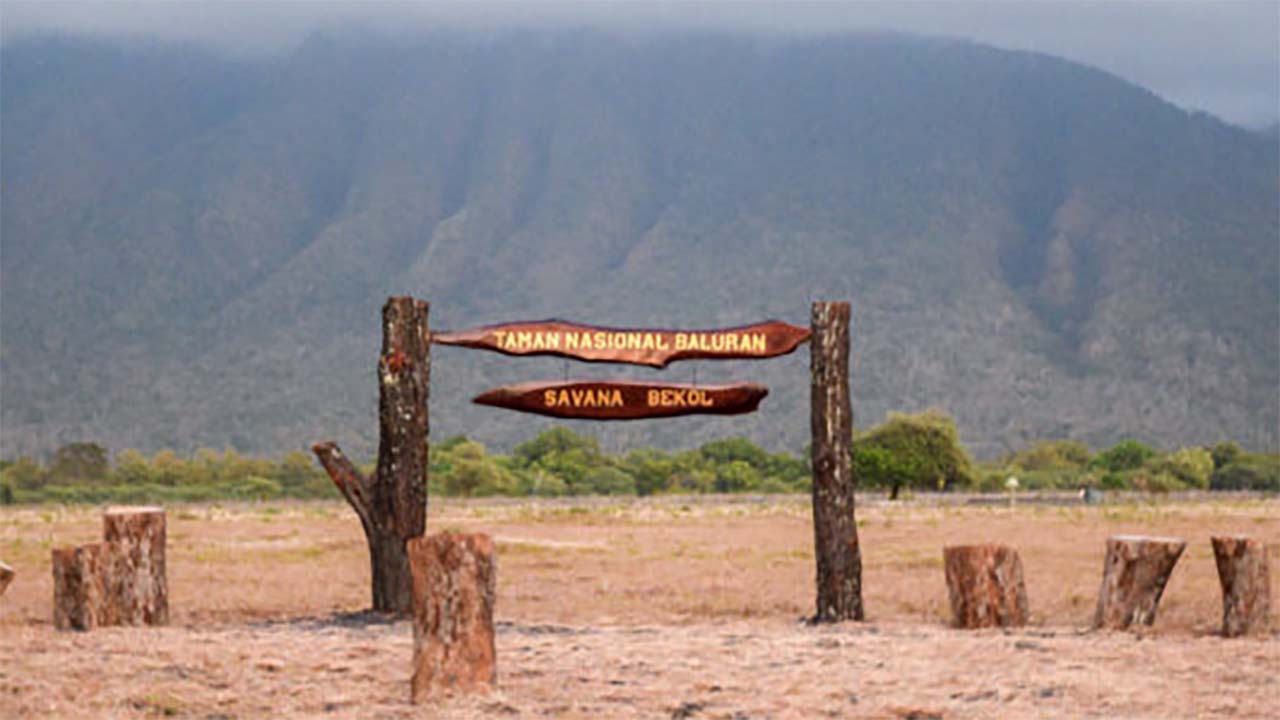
{"x":920,"y":450}
{"x":737,"y":476}
{"x":132,"y":469}
{"x":735,"y":449}
{"x":1224,"y":453}
{"x":25,"y":474}
{"x":79,"y":463}
{"x":556,"y":441}
{"x":651,"y":470}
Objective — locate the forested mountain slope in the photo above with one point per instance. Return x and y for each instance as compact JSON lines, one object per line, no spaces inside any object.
{"x":195,"y":249}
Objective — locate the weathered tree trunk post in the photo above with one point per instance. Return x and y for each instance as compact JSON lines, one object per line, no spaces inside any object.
{"x":454,"y":583}
{"x":985,"y":586}
{"x":392,"y":505}
{"x":134,"y":565}
{"x":835,"y":533}
{"x":1246,"y":584}
{"x":6,"y":577}
{"x":1133,"y":578}
{"x":80,"y":600}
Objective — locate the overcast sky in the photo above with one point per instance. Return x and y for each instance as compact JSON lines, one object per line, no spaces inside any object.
{"x":1222,"y":57}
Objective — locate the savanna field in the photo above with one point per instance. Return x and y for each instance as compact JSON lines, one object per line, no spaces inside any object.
{"x":678,"y":606}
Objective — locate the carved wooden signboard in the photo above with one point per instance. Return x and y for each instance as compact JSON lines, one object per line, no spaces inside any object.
{"x":637,"y":346}
{"x":624,"y":400}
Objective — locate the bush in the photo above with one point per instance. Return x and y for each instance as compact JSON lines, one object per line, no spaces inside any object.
{"x":1124,"y":455}
{"x":1051,"y":455}
{"x":1191,"y":467}
{"x":1249,"y":472}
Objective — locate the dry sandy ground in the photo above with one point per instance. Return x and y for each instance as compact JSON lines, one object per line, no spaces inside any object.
{"x":669,"y":608}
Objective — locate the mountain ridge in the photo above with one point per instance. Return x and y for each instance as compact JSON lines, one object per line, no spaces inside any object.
{"x":1037,"y":247}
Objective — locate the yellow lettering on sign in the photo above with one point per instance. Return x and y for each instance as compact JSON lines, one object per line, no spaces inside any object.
{"x":679,"y":397}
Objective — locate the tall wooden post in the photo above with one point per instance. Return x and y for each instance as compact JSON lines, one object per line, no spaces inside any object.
{"x":392,"y":505}
{"x":835,"y":534}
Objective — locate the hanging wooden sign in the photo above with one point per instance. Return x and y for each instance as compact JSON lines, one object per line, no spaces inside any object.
{"x":655,"y":348}
{"x":624,"y":400}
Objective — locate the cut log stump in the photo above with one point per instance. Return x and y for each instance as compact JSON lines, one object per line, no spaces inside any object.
{"x":135,"y":568}
{"x":985,"y":585}
{"x":1246,"y":584}
{"x":1134,"y":575}
{"x":453,"y":592}
{"x":6,"y":577}
{"x":79,"y":595}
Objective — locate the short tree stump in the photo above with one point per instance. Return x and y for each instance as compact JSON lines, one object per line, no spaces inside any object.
{"x":1134,"y":575}
{"x":1246,"y":584}
{"x":117,"y":582}
{"x":985,"y":586}
{"x":6,"y":577}
{"x":79,"y":591}
{"x":135,"y":571}
{"x":454,"y":582}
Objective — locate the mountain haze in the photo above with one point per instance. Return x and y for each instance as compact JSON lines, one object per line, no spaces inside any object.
{"x":195,"y":249}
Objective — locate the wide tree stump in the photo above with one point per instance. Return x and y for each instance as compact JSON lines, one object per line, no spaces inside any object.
{"x":6,"y":577}
{"x":79,"y":594}
{"x":134,"y":572}
{"x":453,"y":591}
{"x":1133,"y":578}
{"x":985,"y":585}
{"x":1246,"y":584}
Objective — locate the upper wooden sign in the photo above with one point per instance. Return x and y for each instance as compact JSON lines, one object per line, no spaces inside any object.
{"x":637,"y":346}
{"x":624,"y":400}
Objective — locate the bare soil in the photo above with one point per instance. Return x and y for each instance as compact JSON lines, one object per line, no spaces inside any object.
{"x":676,"y":607}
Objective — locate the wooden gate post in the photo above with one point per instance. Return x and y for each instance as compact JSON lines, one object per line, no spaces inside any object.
{"x":835,"y":533}
{"x":392,"y":505}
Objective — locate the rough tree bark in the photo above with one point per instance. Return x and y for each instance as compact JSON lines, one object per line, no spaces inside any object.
{"x":80,"y":600}
{"x":985,"y":586}
{"x":1246,"y":584}
{"x":134,"y":565}
{"x":1133,"y":578}
{"x":6,"y":577}
{"x":454,"y":583}
{"x":392,"y":505}
{"x":835,"y":532}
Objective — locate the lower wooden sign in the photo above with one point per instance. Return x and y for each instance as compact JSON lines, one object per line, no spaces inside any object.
{"x":624,"y":400}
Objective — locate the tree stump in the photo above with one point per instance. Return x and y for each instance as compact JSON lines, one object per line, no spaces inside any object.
{"x":835,"y":532}
{"x":1133,"y":578}
{"x":454,"y":578}
{"x":79,"y":595}
{"x":6,"y":577}
{"x":1246,"y":584}
{"x":984,"y":583}
{"x":134,"y":569}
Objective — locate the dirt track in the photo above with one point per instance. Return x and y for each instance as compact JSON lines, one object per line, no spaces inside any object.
{"x":645,"y":609}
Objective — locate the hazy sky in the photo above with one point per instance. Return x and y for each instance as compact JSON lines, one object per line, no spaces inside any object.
{"x":1223,"y":57}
